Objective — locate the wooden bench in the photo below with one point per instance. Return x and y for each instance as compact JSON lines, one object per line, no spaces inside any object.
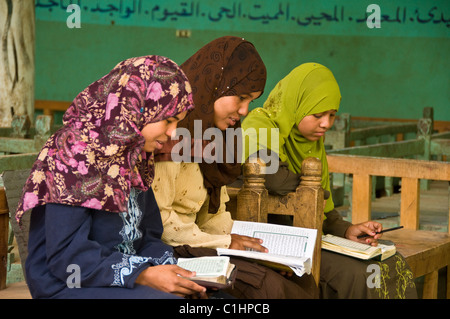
{"x":348,"y":131}
{"x":425,"y":251}
{"x":4,"y":230}
{"x":10,"y":193}
{"x":21,"y":143}
{"x":415,"y":140}
{"x":50,"y":107}
{"x":19,"y":147}
{"x":252,"y":202}
{"x":22,"y":138}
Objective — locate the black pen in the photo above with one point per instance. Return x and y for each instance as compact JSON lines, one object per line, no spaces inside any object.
{"x":383,"y":231}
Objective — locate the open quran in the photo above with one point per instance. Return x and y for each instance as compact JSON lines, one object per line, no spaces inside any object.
{"x":358,"y":250}
{"x":290,"y":248}
{"x":211,"y":271}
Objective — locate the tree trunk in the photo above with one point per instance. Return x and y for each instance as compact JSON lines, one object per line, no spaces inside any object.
{"x":17,"y":31}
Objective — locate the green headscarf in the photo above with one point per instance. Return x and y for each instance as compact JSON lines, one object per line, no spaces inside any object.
{"x":308,"y":89}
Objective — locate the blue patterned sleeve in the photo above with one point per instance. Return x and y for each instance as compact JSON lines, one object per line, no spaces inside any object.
{"x":70,"y":241}
{"x":152,"y":229}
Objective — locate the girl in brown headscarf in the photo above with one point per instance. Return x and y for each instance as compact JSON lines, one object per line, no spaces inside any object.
{"x":226,"y":75}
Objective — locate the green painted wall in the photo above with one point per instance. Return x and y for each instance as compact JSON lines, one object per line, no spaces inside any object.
{"x":393,"y":73}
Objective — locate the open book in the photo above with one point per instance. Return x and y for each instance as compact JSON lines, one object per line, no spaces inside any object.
{"x":358,"y":250}
{"x":290,"y":248}
{"x":211,"y":271}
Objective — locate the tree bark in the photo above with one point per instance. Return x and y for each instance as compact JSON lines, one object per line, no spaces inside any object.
{"x":17,"y":60}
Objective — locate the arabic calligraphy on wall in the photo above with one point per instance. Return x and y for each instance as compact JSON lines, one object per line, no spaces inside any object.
{"x":399,"y":18}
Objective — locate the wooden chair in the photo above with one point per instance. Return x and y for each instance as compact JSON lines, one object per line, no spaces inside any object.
{"x":425,"y":251}
{"x":252,"y":202}
{"x":13,"y":181}
{"x":4,"y":230}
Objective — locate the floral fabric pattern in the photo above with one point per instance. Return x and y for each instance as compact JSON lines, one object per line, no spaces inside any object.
{"x":97,"y":156}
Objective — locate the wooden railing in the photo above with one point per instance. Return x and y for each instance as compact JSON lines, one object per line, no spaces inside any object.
{"x":20,"y":143}
{"x":410,"y":171}
{"x":425,"y":251}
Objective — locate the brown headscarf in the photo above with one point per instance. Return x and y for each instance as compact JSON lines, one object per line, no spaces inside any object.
{"x":97,"y":156}
{"x":226,"y":66}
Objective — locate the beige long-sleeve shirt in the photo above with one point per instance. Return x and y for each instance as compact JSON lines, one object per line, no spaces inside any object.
{"x":183,"y":202}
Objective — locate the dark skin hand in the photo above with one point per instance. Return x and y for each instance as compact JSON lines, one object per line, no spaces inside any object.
{"x":370,"y":228}
{"x":169,"y":278}
{"x":242,"y":242}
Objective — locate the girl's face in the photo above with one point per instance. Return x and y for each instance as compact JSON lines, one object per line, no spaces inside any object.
{"x":314,"y":126}
{"x":229,"y":109}
{"x":156,"y":134}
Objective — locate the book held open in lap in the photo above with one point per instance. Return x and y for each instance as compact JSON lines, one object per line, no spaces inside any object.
{"x":358,"y":250}
{"x":290,"y":248}
{"x":211,"y":271}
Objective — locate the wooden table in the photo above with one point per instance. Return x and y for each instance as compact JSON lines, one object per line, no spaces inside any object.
{"x":426,"y":252}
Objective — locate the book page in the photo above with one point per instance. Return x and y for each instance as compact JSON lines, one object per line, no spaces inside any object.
{"x":206,"y":266}
{"x":349,"y":247}
{"x":279,"y":239}
{"x":347,"y":243}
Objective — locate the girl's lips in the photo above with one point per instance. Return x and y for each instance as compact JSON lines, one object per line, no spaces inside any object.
{"x":159,"y":144}
{"x":232,"y":121}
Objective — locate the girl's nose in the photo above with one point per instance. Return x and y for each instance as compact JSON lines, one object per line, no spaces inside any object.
{"x":171,"y":129}
{"x":243,"y":110}
{"x":326,"y":122}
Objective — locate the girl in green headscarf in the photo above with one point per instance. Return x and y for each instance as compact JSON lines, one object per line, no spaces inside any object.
{"x":303,"y":106}
{"x":309,"y":90}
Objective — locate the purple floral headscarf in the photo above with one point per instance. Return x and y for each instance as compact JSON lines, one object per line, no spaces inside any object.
{"x":97,"y":156}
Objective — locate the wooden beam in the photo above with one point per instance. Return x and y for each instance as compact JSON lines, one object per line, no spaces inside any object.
{"x":48,"y":107}
{"x":430,"y":286}
{"x":440,"y":147}
{"x":409,"y":203}
{"x":379,"y":130}
{"x":17,"y":161}
{"x":395,"y":167}
{"x":391,"y":149}
{"x":17,"y":145}
{"x":361,"y":200}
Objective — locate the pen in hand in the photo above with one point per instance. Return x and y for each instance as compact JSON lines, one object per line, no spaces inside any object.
{"x":383,"y":231}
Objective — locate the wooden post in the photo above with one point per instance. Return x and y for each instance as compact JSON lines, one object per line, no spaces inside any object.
{"x":409,"y":203}
{"x":361,"y":199}
{"x":20,"y":125}
{"x":309,"y":212}
{"x":43,"y":130}
{"x":430,"y":286}
{"x":17,"y":29}
{"x":252,"y":198}
{"x":424,"y":131}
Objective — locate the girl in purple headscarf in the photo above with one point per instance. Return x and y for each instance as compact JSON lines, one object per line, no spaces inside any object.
{"x":95,"y":229}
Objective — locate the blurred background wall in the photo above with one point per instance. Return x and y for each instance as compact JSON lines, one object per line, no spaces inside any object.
{"x":388,"y":72}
